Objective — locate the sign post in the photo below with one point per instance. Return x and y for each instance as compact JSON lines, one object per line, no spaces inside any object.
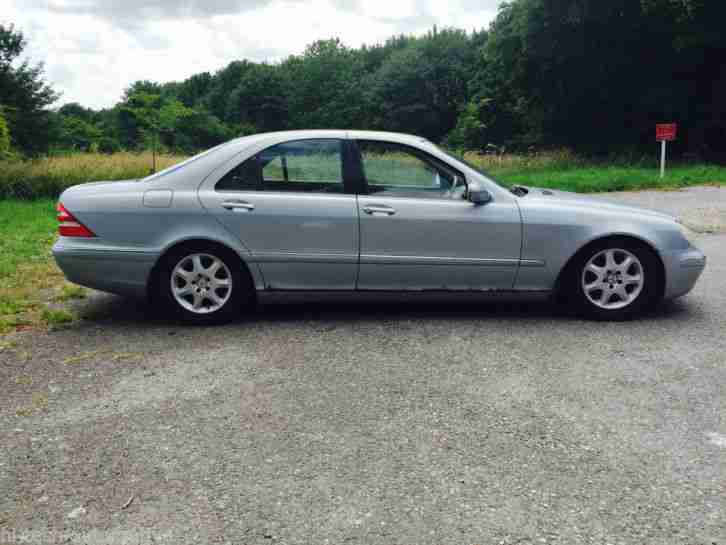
{"x":665,"y":133}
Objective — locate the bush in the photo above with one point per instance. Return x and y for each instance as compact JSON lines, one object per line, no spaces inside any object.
{"x":109,"y":145}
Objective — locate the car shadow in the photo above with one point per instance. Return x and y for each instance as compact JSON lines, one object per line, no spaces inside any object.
{"x":101,"y":308}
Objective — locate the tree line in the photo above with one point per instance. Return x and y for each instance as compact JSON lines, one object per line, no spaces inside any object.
{"x":589,"y":75}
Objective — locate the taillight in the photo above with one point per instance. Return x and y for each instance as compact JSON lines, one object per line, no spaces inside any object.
{"x":69,"y":226}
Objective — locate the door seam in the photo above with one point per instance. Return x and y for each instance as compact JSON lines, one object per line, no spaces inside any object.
{"x":360,"y":244}
{"x":515,"y":280}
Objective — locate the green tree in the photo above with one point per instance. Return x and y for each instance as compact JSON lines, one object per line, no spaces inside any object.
{"x":24,"y":94}
{"x":221,"y":88}
{"x":200,"y":130}
{"x":74,"y":109}
{"x":136,"y":117}
{"x":78,"y":134}
{"x":260,"y":99}
{"x":471,"y":127}
{"x":597,"y":75}
{"x":167,"y":118}
{"x":4,"y":136}
{"x":421,"y":87}
{"x":164,"y":122}
{"x":193,"y":90}
{"x":76,"y":128}
{"x":593,"y":75}
{"x":324,"y":87}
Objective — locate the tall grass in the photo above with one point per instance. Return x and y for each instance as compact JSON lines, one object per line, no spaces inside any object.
{"x":557,"y":159}
{"x":49,"y":176}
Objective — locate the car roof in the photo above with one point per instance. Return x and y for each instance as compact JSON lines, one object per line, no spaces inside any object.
{"x":388,"y":136}
{"x":334,"y":133}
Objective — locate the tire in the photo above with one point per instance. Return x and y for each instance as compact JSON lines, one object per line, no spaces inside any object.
{"x":203,"y":284}
{"x":617,"y":279}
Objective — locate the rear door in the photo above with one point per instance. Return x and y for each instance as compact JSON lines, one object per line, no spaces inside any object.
{"x":419,"y":233}
{"x":289,"y":206}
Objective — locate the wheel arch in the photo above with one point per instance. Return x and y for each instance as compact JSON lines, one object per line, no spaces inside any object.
{"x":560,"y":291}
{"x":153,"y":282}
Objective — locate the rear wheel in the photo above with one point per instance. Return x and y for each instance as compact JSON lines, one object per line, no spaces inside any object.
{"x":204,"y":284}
{"x":615,"y":280}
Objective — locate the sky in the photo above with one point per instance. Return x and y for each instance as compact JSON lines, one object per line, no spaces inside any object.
{"x":93,"y":49}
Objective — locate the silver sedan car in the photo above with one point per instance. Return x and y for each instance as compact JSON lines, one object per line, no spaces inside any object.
{"x":353,"y":211}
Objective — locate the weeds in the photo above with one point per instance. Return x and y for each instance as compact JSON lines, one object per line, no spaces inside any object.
{"x":39,"y":403}
{"x":70,"y":292}
{"x":80,"y":358}
{"x":114,"y":357}
{"x":6,"y":346}
{"x":24,"y":380}
{"x":56,"y":317}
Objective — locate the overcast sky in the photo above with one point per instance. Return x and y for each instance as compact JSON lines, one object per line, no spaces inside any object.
{"x":93,"y":49}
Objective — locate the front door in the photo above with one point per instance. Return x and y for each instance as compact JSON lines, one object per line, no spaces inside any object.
{"x":419,"y":233}
{"x":289,"y":207}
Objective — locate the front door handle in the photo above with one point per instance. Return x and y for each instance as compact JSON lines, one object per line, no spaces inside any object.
{"x":379,"y":209}
{"x":238,"y":205}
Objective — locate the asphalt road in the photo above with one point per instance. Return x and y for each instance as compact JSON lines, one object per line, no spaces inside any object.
{"x":403,"y":424}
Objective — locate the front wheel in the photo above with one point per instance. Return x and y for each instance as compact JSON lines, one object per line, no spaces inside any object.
{"x":616,"y":280}
{"x":204,"y":285}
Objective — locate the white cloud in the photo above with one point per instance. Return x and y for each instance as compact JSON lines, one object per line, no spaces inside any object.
{"x":93,"y":49}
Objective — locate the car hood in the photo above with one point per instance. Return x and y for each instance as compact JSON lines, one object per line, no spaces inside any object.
{"x":597,"y":203}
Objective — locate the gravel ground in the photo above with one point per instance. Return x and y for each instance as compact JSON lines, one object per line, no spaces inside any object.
{"x":703,"y":209}
{"x":406,"y":424}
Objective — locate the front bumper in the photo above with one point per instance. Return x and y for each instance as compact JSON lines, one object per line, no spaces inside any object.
{"x":683,"y":268}
{"x":124,"y":271}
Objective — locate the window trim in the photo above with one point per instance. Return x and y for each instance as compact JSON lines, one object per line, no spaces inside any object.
{"x":362,"y":181}
{"x":346,"y":157}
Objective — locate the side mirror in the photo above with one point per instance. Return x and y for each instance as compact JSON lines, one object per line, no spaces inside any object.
{"x":478,"y":195}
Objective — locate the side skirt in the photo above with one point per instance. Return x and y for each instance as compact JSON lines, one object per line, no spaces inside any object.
{"x":424,"y":296}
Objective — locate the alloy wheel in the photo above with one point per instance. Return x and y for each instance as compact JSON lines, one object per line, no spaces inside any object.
{"x":201,"y":283}
{"x":613,"y":279}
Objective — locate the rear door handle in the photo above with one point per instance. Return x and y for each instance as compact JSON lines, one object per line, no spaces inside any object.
{"x":238,"y":205}
{"x":379,"y":209}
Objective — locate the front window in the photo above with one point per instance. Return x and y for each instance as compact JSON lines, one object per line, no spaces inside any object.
{"x":396,"y":170}
{"x":472,"y":166}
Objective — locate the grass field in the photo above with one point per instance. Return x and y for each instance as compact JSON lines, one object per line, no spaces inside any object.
{"x":564,"y":171}
{"x":29,"y":281}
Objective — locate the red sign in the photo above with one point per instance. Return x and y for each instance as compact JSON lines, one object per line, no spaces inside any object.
{"x":666,"y":133}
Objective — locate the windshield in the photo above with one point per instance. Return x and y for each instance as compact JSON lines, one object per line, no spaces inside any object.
{"x":177,"y":166}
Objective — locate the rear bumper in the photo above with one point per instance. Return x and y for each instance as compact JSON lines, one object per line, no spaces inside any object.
{"x":683,"y":269}
{"x":124,"y":271}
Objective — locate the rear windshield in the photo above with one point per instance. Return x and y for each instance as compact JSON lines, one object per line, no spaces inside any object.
{"x":181,"y":165}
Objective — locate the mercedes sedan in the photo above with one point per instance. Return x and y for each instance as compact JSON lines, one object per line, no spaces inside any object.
{"x":351,"y":211}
